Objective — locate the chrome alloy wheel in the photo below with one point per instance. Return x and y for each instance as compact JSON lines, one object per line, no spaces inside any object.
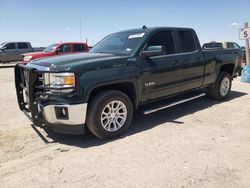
{"x":113,"y":116}
{"x":225,"y":86}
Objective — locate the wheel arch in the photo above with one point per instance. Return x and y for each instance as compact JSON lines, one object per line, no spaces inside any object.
{"x":127,"y":87}
{"x":229,"y":68}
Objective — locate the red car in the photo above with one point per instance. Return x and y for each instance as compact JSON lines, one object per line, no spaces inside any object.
{"x":57,"y":49}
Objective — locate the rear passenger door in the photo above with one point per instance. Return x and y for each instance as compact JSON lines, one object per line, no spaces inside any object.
{"x":190,"y":67}
{"x":23,"y":47}
{"x":78,"y":48}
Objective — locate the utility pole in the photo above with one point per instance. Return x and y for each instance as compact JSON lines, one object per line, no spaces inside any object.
{"x":81,"y":30}
{"x":245,"y":34}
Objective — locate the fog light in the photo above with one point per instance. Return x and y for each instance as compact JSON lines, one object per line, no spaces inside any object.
{"x":61,"y":112}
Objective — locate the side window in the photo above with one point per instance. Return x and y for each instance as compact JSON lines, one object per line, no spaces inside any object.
{"x":78,"y":48}
{"x":10,"y":46}
{"x":64,"y":48}
{"x":163,"y":38}
{"x":230,"y":45}
{"x":236,"y":46}
{"x":22,"y":45}
{"x":187,"y":41}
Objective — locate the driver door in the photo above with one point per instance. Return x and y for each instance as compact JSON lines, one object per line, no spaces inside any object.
{"x":64,"y":49}
{"x":158,"y":73}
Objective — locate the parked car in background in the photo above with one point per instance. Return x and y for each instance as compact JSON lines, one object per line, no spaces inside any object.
{"x":57,"y":49}
{"x":126,"y":70}
{"x":227,"y":45}
{"x":220,"y":45}
{"x":11,"y":51}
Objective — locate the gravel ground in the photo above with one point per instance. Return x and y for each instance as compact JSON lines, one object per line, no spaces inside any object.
{"x":202,"y":143}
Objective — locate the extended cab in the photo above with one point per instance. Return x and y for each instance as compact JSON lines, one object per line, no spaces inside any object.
{"x":151,"y":68}
{"x":57,"y":49}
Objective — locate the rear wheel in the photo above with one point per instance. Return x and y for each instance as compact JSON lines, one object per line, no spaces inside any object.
{"x":110,"y":114}
{"x":221,"y":89}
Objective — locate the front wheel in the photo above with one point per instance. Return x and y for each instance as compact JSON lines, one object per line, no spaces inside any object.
{"x":110,"y":114}
{"x":221,"y":89}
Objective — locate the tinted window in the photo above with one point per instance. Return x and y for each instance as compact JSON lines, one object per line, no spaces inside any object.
{"x":10,"y":46}
{"x":213,"y":45}
{"x":22,"y":45}
{"x":64,"y":48}
{"x":236,"y":46}
{"x":164,"y":38}
{"x":78,"y":47}
{"x":187,"y":41}
{"x":232,"y":45}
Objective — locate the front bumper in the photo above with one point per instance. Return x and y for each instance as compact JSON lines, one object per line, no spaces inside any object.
{"x":66,"y":119}
{"x":63,"y":118}
{"x":65,"y":114}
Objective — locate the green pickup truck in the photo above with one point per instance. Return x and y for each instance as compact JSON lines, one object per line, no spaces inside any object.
{"x":150,"y":68}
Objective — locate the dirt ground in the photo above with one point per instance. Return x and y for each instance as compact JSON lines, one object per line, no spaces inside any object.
{"x":202,"y":143}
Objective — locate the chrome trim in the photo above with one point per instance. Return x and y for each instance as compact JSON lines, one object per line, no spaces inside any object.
{"x":77,"y":114}
{"x":173,"y":104}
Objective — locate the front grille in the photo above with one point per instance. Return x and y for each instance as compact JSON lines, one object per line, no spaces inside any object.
{"x":33,"y":91}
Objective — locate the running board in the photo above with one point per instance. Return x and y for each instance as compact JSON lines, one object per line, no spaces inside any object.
{"x":168,"y":105}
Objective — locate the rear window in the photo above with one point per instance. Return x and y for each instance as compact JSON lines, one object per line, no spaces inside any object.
{"x":22,"y":45}
{"x":212,"y":45}
{"x":78,"y":48}
{"x":187,"y":41}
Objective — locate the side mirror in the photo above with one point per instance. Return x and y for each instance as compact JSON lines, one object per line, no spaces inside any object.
{"x":153,"y":51}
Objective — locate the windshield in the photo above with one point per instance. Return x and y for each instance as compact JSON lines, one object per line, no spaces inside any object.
{"x":120,"y":43}
{"x":2,"y":44}
{"x":50,"y":48}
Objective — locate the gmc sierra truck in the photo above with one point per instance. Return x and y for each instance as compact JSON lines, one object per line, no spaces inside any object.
{"x":150,"y":68}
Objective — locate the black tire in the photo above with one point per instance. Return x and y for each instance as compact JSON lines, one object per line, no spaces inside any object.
{"x":98,"y":104}
{"x":215,"y":92}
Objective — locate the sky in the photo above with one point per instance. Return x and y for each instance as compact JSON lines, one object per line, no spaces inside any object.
{"x":43,"y":22}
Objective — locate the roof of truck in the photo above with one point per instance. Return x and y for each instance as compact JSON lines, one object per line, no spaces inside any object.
{"x":150,"y":29}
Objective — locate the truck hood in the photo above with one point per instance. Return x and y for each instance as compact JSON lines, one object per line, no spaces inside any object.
{"x":38,"y":54}
{"x":77,"y":61}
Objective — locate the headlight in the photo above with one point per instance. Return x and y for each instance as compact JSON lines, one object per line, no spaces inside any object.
{"x":27,"y":58}
{"x":63,"y":81}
